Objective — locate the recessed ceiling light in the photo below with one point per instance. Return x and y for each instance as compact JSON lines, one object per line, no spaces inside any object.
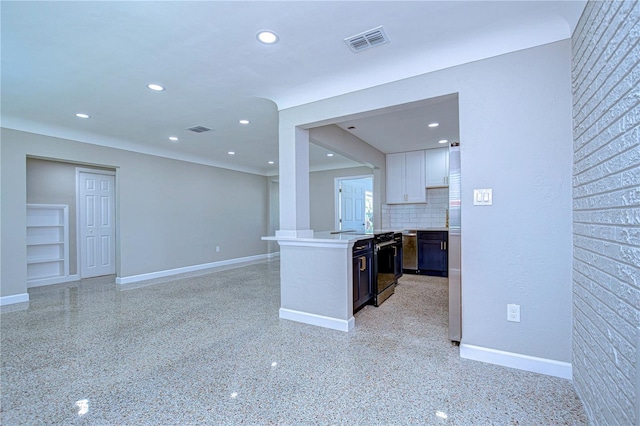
{"x":267,"y":37}
{"x":231,"y":153}
{"x":330,"y":155}
{"x":434,"y":124}
{"x":443,"y":141}
{"x":173,"y":139}
{"x":82,"y":115}
{"x":155,"y":87}
{"x":244,"y":121}
{"x":270,"y":162}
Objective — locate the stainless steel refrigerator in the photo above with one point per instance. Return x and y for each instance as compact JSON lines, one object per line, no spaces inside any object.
{"x":455,"y":290}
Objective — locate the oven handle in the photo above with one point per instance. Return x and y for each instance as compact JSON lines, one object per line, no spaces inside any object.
{"x":385,"y":244}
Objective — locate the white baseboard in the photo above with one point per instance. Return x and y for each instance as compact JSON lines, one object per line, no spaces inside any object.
{"x":319,"y":320}
{"x":521,"y":362}
{"x":14,"y":298}
{"x":192,"y":268}
{"x":54,"y":280}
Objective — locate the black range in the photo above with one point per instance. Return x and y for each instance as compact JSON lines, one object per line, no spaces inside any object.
{"x":387,"y":261}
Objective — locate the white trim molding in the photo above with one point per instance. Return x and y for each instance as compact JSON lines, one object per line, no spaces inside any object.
{"x":53,"y":280}
{"x":319,"y":320}
{"x":513,"y":360}
{"x":14,"y":298}
{"x":192,"y":268}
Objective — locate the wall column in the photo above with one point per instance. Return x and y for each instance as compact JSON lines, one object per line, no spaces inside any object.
{"x":294,"y":182}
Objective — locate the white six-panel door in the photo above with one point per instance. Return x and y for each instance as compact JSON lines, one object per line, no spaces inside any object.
{"x":96,"y":220}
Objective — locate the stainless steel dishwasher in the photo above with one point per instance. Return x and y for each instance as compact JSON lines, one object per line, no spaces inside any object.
{"x":410,"y":251}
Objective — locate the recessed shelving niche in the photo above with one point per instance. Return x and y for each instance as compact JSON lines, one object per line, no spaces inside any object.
{"x":47,"y":244}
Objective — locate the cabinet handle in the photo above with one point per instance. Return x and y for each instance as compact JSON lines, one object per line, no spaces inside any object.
{"x":363,"y":263}
{"x":445,"y":245}
{"x":395,"y":251}
{"x":361,"y":247}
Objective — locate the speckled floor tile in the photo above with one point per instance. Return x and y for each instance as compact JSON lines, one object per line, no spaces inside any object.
{"x":210,"y":349}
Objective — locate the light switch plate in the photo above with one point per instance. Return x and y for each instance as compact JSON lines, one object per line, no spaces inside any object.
{"x":482,"y":197}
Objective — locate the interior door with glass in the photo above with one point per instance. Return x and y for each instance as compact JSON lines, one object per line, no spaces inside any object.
{"x":355,"y":201}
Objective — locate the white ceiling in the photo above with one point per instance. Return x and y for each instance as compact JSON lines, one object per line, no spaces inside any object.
{"x":406,"y":129}
{"x":60,"y":58}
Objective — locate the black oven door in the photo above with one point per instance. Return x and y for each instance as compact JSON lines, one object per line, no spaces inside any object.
{"x":385,"y":271}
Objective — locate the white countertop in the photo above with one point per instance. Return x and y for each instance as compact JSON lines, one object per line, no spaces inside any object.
{"x":346,"y":237}
{"x":426,"y":229}
{"x":323,"y":236}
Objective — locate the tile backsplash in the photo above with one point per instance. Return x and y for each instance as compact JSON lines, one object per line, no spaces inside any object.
{"x":433,"y":214}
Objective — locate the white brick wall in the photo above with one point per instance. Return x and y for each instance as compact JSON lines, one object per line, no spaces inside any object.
{"x":418,"y":216}
{"x":606,"y":210}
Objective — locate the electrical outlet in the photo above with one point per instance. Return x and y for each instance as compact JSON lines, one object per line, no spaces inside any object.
{"x":217,"y":249}
{"x":513,"y":312}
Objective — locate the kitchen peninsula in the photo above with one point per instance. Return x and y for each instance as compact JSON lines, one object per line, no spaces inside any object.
{"x":320,"y":282}
{"x":332,"y":273}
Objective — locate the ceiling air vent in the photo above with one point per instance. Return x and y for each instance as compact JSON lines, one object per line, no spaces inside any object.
{"x":367,"y":39}
{"x":199,"y":129}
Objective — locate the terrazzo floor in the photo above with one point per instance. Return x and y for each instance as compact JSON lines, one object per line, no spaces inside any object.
{"x":211,"y":350}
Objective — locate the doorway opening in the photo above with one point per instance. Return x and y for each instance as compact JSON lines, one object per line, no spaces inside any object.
{"x":431,"y":127}
{"x":354,"y":203}
{"x":53,"y":183}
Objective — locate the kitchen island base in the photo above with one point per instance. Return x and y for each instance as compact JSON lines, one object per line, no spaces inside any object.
{"x":316,"y":280}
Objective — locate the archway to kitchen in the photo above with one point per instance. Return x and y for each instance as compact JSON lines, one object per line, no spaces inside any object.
{"x":339,"y":135}
{"x":424,"y":194}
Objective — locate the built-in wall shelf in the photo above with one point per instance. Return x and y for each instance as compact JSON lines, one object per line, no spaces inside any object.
{"x":47,"y":244}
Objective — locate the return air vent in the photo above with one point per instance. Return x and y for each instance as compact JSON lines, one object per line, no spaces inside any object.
{"x":367,"y":39}
{"x":199,"y":129}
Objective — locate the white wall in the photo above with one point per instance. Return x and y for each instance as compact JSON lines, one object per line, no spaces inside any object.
{"x":322,"y":195}
{"x":338,"y":140}
{"x":515,"y":137}
{"x":171,"y":213}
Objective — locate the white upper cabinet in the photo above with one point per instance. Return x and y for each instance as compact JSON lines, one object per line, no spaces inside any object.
{"x":395,"y":178}
{"x":414,"y":177}
{"x":406,"y":177}
{"x":437,"y":161}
